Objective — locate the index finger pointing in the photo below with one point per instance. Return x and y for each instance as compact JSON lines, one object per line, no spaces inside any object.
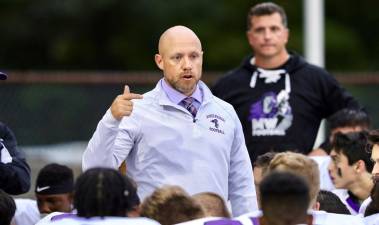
{"x":126,"y":89}
{"x":131,"y":96}
{"x":135,"y":96}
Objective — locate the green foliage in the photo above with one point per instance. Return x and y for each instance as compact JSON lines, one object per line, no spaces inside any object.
{"x":122,"y":35}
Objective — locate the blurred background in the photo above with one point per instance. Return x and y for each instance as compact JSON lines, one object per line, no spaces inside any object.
{"x":68,"y":59}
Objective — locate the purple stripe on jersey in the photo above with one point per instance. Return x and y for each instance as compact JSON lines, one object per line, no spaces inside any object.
{"x":223,"y":222}
{"x":353,"y":204}
{"x":62,"y":216}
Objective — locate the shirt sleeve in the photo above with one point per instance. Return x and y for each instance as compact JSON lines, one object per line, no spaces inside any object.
{"x":99,"y":151}
{"x":242,"y":192}
{"x":14,"y":171}
{"x":111,"y":142}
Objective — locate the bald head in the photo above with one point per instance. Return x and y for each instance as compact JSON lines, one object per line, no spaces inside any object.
{"x":177,"y":34}
{"x":180,"y":58}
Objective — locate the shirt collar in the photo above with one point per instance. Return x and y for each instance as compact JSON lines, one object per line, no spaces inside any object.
{"x":176,"y":97}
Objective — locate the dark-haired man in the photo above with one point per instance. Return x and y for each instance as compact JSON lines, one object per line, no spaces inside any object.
{"x":280,"y":99}
{"x":350,"y":169}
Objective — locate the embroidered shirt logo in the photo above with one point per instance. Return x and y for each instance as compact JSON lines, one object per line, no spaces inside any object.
{"x":216,"y":120}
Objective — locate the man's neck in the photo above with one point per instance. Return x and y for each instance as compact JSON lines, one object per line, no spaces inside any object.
{"x":271,"y":62}
{"x":362,"y":188}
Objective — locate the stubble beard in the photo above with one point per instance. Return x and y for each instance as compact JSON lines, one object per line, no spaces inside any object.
{"x":184,"y":88}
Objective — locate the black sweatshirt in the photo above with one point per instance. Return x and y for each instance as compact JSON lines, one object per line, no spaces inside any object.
{"x":284,"y":114}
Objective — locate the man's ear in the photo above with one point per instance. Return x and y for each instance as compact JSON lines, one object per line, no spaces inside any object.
{"x":316,"y":206}
{"x":360,"y":166}
{"x":159,"y":61}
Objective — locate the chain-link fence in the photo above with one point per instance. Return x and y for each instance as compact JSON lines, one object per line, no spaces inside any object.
{"x":54,"y":114}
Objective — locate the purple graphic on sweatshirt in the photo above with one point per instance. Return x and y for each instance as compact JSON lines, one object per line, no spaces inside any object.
{"x":265,"y":107}
{"x":271,"y":114}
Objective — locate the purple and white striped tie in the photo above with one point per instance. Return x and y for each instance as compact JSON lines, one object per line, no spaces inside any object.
{"x":188,"y":104}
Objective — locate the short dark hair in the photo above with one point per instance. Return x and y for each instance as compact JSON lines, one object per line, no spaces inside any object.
{"x":331,"y":203}
{"x":104,"y":192}
{"x":349,"y":118}
{"x":59,"y":179}
{"x":373,"y":137}
{"x":7,"y":208}
{"x":266,"y":8}
{"x":355,"y":147}
{"x":284,"y":197}
{"x":264,"y":159}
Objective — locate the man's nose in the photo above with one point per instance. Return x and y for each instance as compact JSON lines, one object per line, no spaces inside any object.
{"x":267,"y":34}
{"x":187,"y":63}
{"x":44,"y":208}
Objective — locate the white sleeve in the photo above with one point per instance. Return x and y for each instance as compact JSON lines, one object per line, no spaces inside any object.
{"x":241,"y":179}
{"x":26,"y":212}
{"x":99,"y":151}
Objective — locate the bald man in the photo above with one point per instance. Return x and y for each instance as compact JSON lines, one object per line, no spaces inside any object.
{"x":178,"y":133}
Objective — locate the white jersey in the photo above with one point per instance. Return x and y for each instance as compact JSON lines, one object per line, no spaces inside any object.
{"x":364,"y":205}
{"x":344,"y":196}
{"x":200,"y":221}
{"x":323,"y":163}
{"x":106,"y":221}
{"x":55,"y":216}
{"x":325,"y":218}
{"x":27,"y":212}
{"x":222,"y":221}
{"x":371,"y":220}
{"x":319,"y":218}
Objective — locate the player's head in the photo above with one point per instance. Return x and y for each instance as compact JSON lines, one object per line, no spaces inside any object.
{"x":284,"y":198}
{"x":348,"y":120}
{"x":7,"y":208}
{"x":171,"y":205}
{"x":301,"y":165}
{"x":54,"y":188}
{"x":104,"y":192}
{"x":350,"y":159}
{"x":213,"y":204}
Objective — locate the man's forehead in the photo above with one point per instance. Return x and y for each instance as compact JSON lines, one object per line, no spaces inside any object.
{"x":375,"y":151}
{"x":53,"y":196}
{"x":337,"y":154}
{"x":269,"y":19}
